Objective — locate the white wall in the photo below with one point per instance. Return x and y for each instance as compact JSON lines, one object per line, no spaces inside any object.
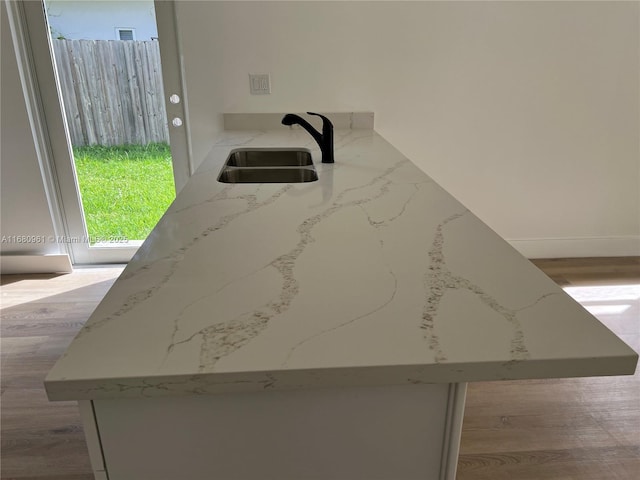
{"x":528,"y":112}
{"x":24,"y":211}
{"x":97,"y":20}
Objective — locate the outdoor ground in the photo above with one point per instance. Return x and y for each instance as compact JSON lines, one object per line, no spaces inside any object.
{"x":125,"y":189}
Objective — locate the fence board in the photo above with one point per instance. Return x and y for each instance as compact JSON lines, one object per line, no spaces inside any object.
{"x":112,"y":91}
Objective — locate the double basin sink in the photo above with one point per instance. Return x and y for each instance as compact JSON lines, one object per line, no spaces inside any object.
{"x":268,"y":166}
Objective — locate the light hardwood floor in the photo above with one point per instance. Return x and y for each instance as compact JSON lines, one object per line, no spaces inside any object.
{"x":566,"y":429}
{"x":586,"y":429}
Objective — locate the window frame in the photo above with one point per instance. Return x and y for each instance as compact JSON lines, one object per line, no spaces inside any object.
{"x":119,"y":30}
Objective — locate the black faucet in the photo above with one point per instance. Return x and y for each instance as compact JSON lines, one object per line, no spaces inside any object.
{"x":324,"y":139}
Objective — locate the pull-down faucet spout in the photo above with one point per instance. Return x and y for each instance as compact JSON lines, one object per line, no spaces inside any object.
{"x":324,"y":139}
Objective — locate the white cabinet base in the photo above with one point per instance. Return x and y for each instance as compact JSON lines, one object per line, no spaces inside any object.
{"x":388,"y":433}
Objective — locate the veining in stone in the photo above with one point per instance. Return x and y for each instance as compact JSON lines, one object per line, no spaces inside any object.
{"x":221,"y":339}
{"x":439,"y":279}
{"x":177,"y":256}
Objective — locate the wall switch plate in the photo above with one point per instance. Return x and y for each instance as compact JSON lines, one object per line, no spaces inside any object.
{"x":259,"y":84}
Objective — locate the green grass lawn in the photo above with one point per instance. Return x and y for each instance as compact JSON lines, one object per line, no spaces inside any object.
{"x":125,"y":189}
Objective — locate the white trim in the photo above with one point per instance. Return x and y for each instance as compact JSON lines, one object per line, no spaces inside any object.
{"x":570,"y":247}
{"x":21,"y":264}
{"x":174,"y":81}
{"x":92,"y":437}
{"x":35,"y":112}
{"x":453,"y":430}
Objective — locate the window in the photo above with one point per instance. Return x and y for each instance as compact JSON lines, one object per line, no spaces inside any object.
{"x":125,"y":33}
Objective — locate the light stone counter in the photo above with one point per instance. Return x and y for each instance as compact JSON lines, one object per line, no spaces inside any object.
{"x":373,"y":275}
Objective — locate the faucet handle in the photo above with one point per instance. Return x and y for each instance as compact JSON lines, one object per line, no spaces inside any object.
{"x":324,"y":119}
{"x":326,"y":123}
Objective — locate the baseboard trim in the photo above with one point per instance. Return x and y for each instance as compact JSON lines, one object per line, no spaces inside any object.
{"x":16,"y":264}
{"x":575,"y":247}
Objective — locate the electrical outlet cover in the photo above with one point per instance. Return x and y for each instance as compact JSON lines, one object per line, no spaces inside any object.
{"x":259,"y":84}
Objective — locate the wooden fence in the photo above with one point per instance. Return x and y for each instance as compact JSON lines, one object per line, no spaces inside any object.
{"x":112,"y":91}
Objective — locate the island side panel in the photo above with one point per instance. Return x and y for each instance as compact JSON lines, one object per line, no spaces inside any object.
{"x":92,"y":437}
{"x":349,"y":433}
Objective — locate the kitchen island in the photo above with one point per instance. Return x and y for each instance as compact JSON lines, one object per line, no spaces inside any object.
{"x":321,"y":330}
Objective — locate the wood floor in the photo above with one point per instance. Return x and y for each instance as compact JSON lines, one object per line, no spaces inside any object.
{"x":586,"y":429}
{"x":566,"y":429}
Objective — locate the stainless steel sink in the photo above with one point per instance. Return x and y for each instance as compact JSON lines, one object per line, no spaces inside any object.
{"x":269,"y":158}
{"x":268,"y":166}
{"x":268,"y":175}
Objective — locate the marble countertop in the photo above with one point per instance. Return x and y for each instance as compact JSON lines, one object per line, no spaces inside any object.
{"x":372,"y":275}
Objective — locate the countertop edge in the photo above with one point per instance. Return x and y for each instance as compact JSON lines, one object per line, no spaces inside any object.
{"x":251,"y":382}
